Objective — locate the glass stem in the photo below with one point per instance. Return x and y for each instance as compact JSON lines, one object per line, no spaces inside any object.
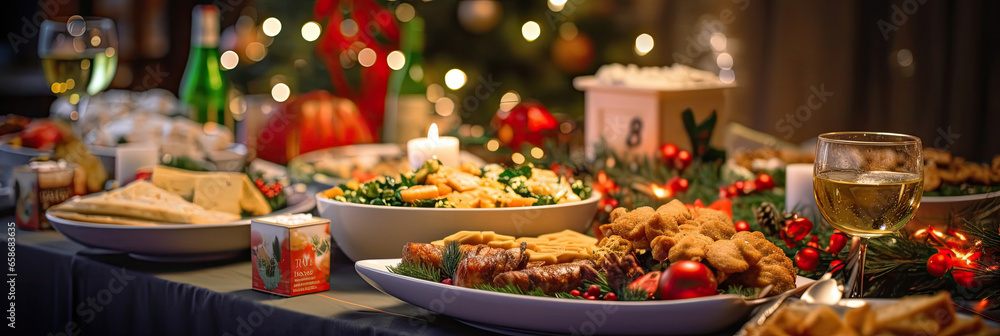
{"x":854,"y":287}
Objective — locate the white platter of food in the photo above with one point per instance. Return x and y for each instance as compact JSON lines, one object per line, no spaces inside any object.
{"x":523,"y":314}
{"x":192,"y":217}
{"x":331,"y":167}
{"x":476,"y":201}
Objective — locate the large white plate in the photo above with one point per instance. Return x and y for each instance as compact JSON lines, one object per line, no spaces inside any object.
{"x":173,"y":242}
{"x":364,"y":154}
{"x":522,"y":314}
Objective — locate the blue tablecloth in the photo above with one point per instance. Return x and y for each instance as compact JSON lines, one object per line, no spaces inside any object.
{"x":63,"y":288}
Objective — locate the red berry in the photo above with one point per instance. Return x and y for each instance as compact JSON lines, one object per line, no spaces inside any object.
{"x":742,"y":226}
{"x":965,"y":279}
{"x":678,"y":184}
{"x":807,"y":259}
{"x":739,"y":185}
{"x":446,"y":281}
{"x":258,"y":182}
{"x":732,"y":191}
{"x":749,"y":187}
{"x":611,"y":297}
{"x":765,"y":182}
{"x":683,"y":159}
{"x":837,"y":243}
{"x":669,"y":151}
{"x":590,"y":297}
{"x":594,"y":290}
{"x":939,"y":264}
{"x":574,"y":292}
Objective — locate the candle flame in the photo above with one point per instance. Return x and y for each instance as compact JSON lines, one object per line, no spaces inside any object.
{"x":660,"y":192}
{"x":432,"y":132}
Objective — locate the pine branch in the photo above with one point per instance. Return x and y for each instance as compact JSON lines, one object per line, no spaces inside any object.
{"x":416,"y":270}
{"x":450,"y":258}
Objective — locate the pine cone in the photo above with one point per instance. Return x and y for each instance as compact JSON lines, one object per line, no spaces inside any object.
{"x":767,"y":217}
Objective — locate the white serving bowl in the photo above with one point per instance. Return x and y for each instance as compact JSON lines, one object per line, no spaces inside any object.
{"x":379,"y":232}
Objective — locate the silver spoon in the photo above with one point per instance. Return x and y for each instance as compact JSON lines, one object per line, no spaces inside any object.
{"x":826,"y":291}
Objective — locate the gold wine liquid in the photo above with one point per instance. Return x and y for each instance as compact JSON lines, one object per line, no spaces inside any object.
{"x":868,"y":204}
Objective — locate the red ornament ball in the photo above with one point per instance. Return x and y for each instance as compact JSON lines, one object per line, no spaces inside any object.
{"x":687,"y":279}
{"x":678,"y":185}
{"x":683,"y":159}
{"x":807,"y":259}
{"x":939,"y":264}
{"x":764,"y":182}
{"x":742,"y":226}
{"x":669,"y":152}
{"x":527,"y":123}
{"x":965,"y":279}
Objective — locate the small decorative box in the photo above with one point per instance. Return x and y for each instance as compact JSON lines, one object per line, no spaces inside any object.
{"x":290,"y":254}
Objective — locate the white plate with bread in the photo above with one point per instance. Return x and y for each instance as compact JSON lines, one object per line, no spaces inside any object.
{"x":178,"y":216}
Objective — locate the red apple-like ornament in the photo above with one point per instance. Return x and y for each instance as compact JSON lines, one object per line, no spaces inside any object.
{"x":687,"y":279}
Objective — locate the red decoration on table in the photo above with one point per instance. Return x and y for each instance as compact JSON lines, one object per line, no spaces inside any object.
{"x":764,"y":182}
{"x":527,"y":123}
{"x":379,"y":32}
{"x":648,"y":282}
{"x":308,"y":122}
{"x":836,"y":265}
{"x":742,"y":226}
{"x":798,"y":228}
{"x":683,"y":160}
{"x":687,"y":279}
{"x":807,"y":259}
{"x":837,"y":242}
{"x":965,"y":279}
{"x":678,"y":184}
{"x":939,"y":264}
{"x":669,"y":152}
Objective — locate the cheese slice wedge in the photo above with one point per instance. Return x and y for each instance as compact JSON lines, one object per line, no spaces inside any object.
{"x":141,"y":201}
{"x":220,"y":191}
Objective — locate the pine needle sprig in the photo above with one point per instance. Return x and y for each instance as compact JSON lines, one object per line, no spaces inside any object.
{"x":511,"y":289}
{"x":416,"y":270}
{"x":450,"y":258}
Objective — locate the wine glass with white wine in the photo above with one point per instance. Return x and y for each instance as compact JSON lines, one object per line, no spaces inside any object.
{"x":79,"y":57}
{"x":868,"y":185}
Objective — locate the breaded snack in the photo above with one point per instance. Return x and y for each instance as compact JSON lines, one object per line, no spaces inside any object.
{"x":710,"y":222}
{"x":725,"y":256}
{"x":690,"y":246}
{"x":774,"y":267}
{"x":639,"y":226}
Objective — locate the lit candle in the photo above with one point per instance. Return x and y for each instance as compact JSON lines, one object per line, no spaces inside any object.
{"x":444,"y":149}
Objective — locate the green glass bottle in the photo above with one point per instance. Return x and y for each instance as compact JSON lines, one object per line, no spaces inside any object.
{"x":203,"y":87}
{"x":407,"y":110}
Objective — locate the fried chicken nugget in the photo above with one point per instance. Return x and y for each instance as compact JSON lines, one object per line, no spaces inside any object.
{"x":772,"y":268}
{"x":729,"y":257}
{"x":690,"y":246}
{"x":642,"y":225}
{"x":710,"y":222}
